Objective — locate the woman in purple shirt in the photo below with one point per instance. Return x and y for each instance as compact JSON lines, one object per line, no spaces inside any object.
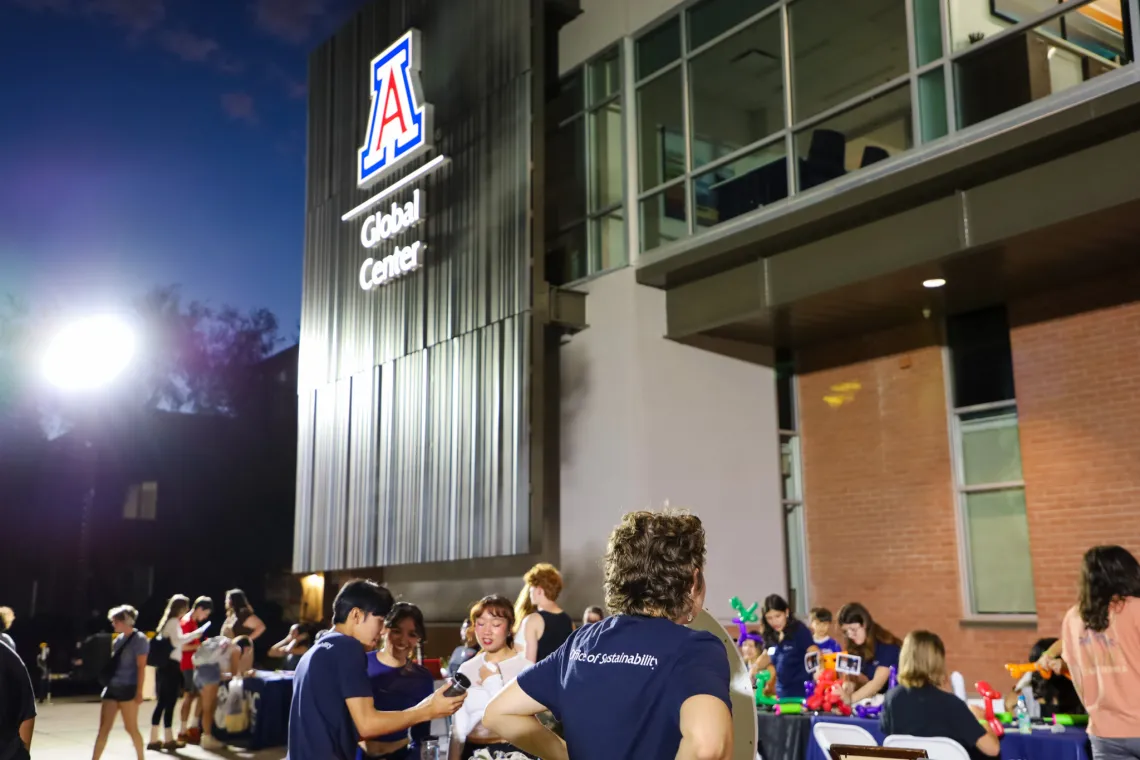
{"x":399,"y":683}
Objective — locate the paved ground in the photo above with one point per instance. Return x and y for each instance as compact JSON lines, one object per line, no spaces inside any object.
{"x":65,"y":730}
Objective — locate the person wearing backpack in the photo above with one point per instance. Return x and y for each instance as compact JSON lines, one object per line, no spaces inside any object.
{"x":166,"y":658}
{"x":122,"y":679}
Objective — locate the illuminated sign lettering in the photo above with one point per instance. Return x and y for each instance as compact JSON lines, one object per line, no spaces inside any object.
{"x":399,"y":122}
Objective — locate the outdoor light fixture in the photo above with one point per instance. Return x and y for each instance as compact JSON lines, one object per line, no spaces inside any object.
{"x":933,"y":283}
{"x":90,"y":353}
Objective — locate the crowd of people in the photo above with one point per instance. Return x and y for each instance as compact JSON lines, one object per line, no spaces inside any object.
{"x":1093,"y":666}
{"x":640,"y":682}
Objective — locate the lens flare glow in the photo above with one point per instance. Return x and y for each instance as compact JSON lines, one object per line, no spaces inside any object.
{"x":89,"y":354}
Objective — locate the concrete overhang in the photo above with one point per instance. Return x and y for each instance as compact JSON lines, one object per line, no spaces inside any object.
{"x":996,"y":211}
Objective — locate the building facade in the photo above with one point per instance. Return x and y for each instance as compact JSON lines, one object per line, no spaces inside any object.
{"x":858,"y":290}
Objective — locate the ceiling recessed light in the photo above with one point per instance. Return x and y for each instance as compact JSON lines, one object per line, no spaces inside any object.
{"x":936,"y":282}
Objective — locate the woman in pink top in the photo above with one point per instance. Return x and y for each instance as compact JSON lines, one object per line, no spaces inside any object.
{"x":1101,"y":645}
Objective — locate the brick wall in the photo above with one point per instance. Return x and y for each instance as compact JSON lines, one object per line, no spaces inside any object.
{"x":1078,"y":393}
{"x":879,"y":498}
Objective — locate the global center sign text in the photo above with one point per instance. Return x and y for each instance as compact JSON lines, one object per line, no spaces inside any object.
{"x":399,"y":129}
{"x":378,"y":228}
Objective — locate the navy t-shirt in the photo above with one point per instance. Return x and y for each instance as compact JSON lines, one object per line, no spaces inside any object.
{"x":828,"y":645}
{"x":788,"y":659}
{"x":929,"y":711}
{"x":320,"y":726}
{"x":617,"y":686}
{"x":885,"y":656}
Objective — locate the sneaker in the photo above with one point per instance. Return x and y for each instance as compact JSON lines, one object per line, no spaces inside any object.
{"x":194,"y":736}
{"x":210,"y":743}
{"x":155,"y":746}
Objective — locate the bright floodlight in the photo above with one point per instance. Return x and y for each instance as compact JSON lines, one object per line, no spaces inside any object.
{"x":89,"y":354}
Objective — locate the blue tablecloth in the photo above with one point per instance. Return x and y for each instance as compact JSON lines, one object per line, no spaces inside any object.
{"x":268,"y":695}
{"x":1042,"y":744}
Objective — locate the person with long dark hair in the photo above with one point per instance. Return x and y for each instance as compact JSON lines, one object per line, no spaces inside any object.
{"x":1055,"y":695}
{"x":787,"y":641}
{"x":1100,"y":639}
{"x":240,"y":617}
{"x":168,"y":674}
{"x":640,"y":683}
{"x":877,"y":647}
{"x":399,"y":682}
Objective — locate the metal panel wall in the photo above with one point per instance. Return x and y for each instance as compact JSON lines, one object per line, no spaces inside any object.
{"x":414,"y":395}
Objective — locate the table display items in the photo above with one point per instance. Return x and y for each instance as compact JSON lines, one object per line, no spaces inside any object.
{"x":872,"y":707}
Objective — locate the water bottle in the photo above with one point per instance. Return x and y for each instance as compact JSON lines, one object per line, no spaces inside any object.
{"x":429,"y":750}
{"x":1022,"y":715}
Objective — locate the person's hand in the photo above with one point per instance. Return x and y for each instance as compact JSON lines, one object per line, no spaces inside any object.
{"x":138,"y":698}
{"x":1055,"y":664}
{"x":439,"y":706}
{"x":978,"y":712}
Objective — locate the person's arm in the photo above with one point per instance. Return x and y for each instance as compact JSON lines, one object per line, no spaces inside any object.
{"x":512,"y":715}
{"x":141,"y":665}
{"x":27,"y":728}
{"x":706,"y":729}
{"x":180,"y":639}
{"x":371,"y":722}
{"x":283,"y":647}
{"x":256,"y":627}
{"x":974,"y":729}
{"x":530,"y":632}
{"x":873,"y":686}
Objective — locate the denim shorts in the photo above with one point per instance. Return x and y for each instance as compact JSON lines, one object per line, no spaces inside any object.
{"x":207,"y":675}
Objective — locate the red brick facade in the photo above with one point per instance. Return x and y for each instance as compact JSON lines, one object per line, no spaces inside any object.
{"x":878,"y":489}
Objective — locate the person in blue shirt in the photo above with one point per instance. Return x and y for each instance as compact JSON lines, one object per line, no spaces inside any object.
{"x":639,"y":683}
{"x":398,"y":682}
{"x":820,"y":621}
{"x":332,"y":705}
{"x":878,"y":648}
{"x":787,"y":642}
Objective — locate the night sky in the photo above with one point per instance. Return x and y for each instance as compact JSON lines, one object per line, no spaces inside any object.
{"x":155,"y":142}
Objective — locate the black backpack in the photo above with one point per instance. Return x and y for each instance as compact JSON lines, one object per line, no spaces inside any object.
{"x":160,"y":651}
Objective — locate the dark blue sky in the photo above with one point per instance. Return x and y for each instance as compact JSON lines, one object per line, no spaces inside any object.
{"x":154,"y":142}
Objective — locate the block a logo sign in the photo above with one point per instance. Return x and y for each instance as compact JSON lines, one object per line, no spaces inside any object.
{"x":400,"y":122}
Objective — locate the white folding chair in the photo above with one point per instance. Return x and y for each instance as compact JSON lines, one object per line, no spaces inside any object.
{"x":827,"y":734}
{"x":937,"y":747}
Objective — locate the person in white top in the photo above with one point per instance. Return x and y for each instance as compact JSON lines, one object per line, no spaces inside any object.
{"x":492,"y":619}
{"x":168,"y":675}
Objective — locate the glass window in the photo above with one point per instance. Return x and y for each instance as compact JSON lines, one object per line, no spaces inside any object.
{"x":932,"y":105}
{"x":842,"y":49}
{"x":981,"y":358}
{"x":786,"y":390}
{"x":661,"y":132}
{"x":608,"y":241}
{"x":605,"y":76}
{"x":927,"y":31}
{"x":740,"y":186}
{"x":664,"y":217}
{"x":790,"y":465}
{"x":868,"y":133}
{"x":714,"y":17}
{"x":794,"y":535}
{"x":607,"y":153}
{"x":659,"y":47}
{"x":566,"y":100}
{"x":566,"y":257}
{"x":737,"y":91}
{"x":991,"y":447}
{"x":1030,"y":66}
{"x":1001,"y":570}
{"x":566,"y":176}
